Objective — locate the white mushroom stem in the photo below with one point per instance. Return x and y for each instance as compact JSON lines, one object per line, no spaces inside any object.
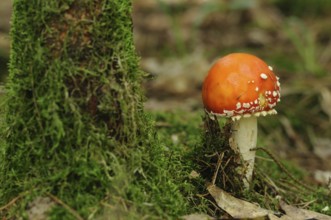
{"x":244,"y":136}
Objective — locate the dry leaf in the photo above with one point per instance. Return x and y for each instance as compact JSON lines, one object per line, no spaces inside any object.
{"x":326,"y":101}
{"x":194,"y":174}
{"x":237,"y":208}
{"x":299,"y":214}
{"x":323,"y":177}
{"x":322,"y":147}
{"x":274,"y":217}
{"x":39,"y":207}
{"x":197,"y":216}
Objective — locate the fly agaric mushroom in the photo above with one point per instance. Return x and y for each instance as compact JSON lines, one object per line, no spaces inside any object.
{"x":241,"y":87}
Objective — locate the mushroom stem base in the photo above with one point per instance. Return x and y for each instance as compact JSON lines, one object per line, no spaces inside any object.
{"x":243,"y":139}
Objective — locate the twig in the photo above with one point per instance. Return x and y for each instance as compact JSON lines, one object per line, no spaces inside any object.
{"x":219,"y":161}
{"x":307,"y":204}
{"x":282,"y":167}
{"x":225,"y":177}
{"x":12,"y":202}
{"x":202,"y":195}
{"x":68,"y":208}
{"x":263,"y":158}
{"x":290,"y":188}
{"x":271,"y":182}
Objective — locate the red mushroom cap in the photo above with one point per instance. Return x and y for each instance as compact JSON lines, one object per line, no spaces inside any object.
{"x":240,"y":84}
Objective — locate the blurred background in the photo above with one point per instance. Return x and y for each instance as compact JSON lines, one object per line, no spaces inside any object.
{"x":178,"y":40}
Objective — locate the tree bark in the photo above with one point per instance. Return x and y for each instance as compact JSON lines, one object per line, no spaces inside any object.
{"x":75,"y":112}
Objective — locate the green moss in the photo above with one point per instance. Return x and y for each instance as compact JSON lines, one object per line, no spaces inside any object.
{"x":180,"y":135}
{"x":2,"y":120}
{"x":75,"y":123}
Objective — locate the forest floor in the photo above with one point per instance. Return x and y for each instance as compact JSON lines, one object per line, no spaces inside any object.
{"x":179,"y":40}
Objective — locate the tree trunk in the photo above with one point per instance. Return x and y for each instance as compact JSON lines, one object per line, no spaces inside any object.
{"x":75,"y":120}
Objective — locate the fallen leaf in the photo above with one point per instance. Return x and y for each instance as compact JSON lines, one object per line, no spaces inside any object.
{"x":326,"y":101}
{"x":323,"y":177}
{"x":194,"y":174}
{"x":197,"y":216}
{"x":283,"y":217}
{"x":237,"y":208}
{"x":322,"y":147}
{"x":39,"y":207}
{"x":299,"y":214}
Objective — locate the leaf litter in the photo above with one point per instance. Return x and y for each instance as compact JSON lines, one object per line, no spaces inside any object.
{"x":240,"y":209}
{"x":237,"y":208}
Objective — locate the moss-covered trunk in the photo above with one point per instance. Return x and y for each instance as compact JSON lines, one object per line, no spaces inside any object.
{"x":75,"y":124}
